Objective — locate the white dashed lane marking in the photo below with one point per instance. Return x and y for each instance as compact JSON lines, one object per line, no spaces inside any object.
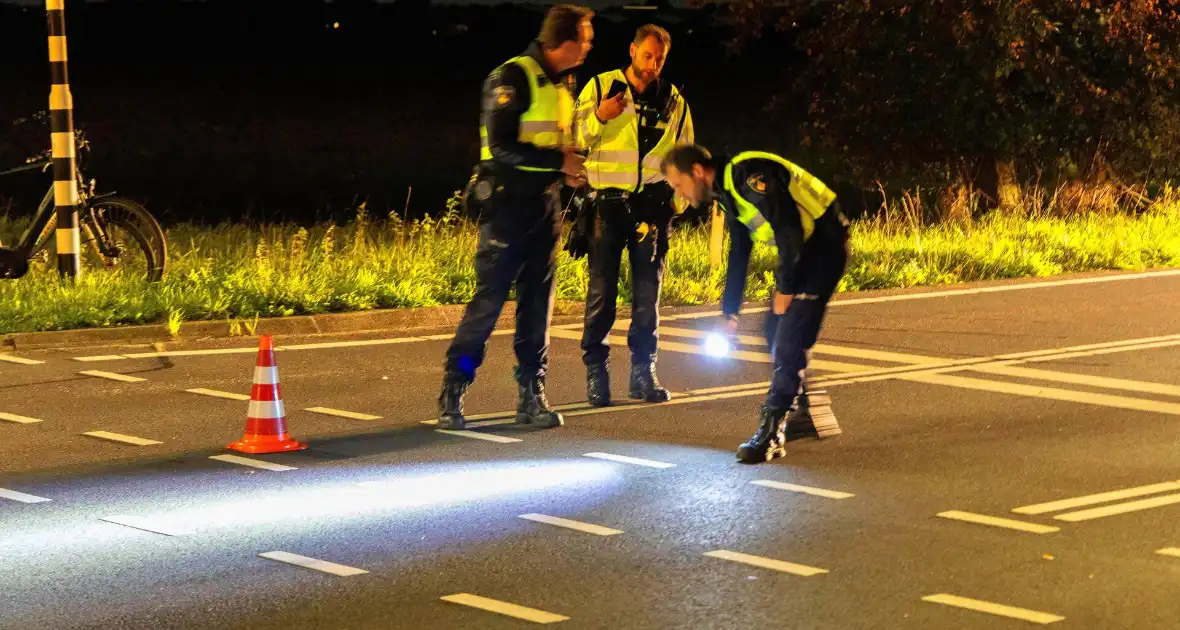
{"x":13,"y":495}
{"x":119,"y":437}
{"x":217,"y":394}
{"x":504,"y":608}
{"x":147,"y":525}
{"x":790,"y":487}
{"x":312,"y":563}
{"x":623,"y":459}
{"x":253,"y":463}
{"x":766,"y":563}
{"x":487,"y":437}
{"x":1007,"y":523}
{"x":557,"y":521}
{"x":112,"y":376}
{"x":19,"y":360}
{"x":351,"y":415}
{"x":9,"y":417}
{"x":993,"y":608}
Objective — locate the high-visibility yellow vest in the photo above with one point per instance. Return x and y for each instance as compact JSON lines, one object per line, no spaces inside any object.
{"x":613,"y":160}
{"x":547,"y":121}
{"x":812,"y":197}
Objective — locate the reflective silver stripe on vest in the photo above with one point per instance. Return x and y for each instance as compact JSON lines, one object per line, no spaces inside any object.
{"x":622,"y":156}
{"x":539,"y":126}
{"x":614,"y":178}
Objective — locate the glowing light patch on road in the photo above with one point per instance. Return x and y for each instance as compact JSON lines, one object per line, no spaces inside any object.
{"x":716,"y":345}
{"x":395,"y":492}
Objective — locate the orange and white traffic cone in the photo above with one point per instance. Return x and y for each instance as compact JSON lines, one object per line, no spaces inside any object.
{"x":266,"y":423}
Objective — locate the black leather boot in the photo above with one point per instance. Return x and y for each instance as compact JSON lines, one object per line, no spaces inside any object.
{"x":534,"y":408}
{"x":769,"y":442}
{"x":645,"y":386}
{"x":598,"y":384}
{"x":450,"y":405}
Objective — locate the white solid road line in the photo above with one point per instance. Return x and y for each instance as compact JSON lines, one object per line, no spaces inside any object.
{"x":1101,"y":497}
{"x":597,"y":530}
{"x":623,"y":459}
{"x":253,"y":463}
{"x":19,"y":360}
{"x":13,"y":495}
{"x":351,"y":415}
{"x":146,"y":525}
{"x":993,"y":608}
{"x":1119,"y":508}
{"x":1105,"y":382}
{"x":112,"y":376}
{"x":488,"y":437}
{"x":504,"y":608}
{"x":9,"y":417}
{"x":217,"y":394}
{"x":119,"y":437}
{"x":101,"y":357}
{"x":765,"y":563}
{"x":1170,"y":551}
{"x":312,"y":563}
{"x":1049,"y":393}
{"x":819,"y":492}
{"x":475,"y":424}
{"x":684,"y":316}
{"x":1007,"y":523}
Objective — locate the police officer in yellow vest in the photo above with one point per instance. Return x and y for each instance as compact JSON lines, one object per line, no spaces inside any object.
{"x":627,"y":121}
{"x":527,"y":151}
{"x":779,"y":204}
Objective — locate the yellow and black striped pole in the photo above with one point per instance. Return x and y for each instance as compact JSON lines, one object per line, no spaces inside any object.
{"x":61,"y":127}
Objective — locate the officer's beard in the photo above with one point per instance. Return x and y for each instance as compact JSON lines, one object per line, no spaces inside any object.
{"x":647,"y":76}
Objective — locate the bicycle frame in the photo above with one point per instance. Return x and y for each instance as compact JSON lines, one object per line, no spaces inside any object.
{"x":29,"y":241}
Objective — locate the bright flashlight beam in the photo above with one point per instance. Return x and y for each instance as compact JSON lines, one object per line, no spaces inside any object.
{"x":716,"y":345}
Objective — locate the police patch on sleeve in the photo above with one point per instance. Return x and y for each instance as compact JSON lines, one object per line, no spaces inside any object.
{"x":504,"y":95}
{"x":757,"y":183}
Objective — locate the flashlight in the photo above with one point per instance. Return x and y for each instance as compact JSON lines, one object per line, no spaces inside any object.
{"x":716,"y":345}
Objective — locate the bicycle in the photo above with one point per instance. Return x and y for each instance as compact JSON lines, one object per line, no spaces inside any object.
{"x":116,"y":233}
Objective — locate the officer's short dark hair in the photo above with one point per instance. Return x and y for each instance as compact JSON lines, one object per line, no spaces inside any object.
{"x":562,"y":24}
{"x":656,"y":31}
{"x":684,"y":156}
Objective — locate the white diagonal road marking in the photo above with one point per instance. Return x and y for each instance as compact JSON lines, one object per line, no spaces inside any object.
{"x":790,"y":487}
{"x":765,"y":563}
{"x":1101,"y":497}
{"x":312,"y":563}
{"x":1007,"y":523}
{"x":557,"y":521}
{"x":504,"y":608}
{"x":993,"y":608}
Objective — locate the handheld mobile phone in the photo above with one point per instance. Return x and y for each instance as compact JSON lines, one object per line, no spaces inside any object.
{"x":616,"y":88}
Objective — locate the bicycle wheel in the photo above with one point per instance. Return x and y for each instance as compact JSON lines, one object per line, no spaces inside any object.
{"x":120,"y":234}
{"x":117,"y":236}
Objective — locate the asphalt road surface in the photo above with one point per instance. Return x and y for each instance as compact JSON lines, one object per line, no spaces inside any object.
{"x":1009,"y":456}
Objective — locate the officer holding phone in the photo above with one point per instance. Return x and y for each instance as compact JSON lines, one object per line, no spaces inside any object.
{"x":627,"y":120}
